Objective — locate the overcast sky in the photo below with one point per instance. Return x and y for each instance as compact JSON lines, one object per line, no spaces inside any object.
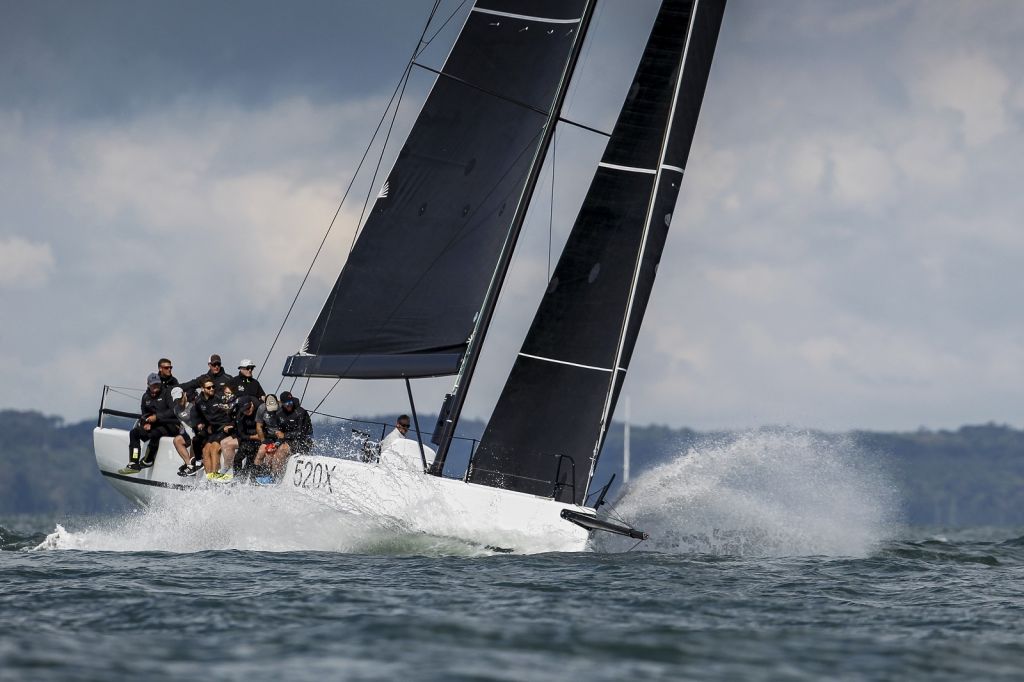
{"x":846,"y":252}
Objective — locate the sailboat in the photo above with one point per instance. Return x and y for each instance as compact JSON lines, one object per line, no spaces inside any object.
{"x":457,"y":197}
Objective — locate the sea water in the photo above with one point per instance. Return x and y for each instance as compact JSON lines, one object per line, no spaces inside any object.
{"x":773,"y":556}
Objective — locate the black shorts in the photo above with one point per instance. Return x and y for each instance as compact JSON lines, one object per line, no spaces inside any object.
{"x":185,"y":437}
{"x":218,"y":435}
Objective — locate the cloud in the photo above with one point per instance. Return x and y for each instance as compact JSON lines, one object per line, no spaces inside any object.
{"x":845,"y":242}
{"x":24,"y":264}
{"x":971,"y":85}
{"x":185,"y":229}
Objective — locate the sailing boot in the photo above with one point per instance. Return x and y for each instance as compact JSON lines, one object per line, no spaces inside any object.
{"x":134,"y":466}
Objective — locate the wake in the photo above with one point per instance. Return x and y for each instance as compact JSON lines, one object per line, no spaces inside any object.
{"x":765,"y":493}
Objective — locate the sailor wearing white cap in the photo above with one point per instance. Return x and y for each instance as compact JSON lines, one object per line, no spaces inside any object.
{"x":245,"y":384}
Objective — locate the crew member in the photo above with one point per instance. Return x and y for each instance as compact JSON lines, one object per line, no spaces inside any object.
{"x":157,"y":419}
{"x":216,"y":424}
{"x":187,"y":418}
{"x":398,"y":433}
{"x":297,"y":429}
{"x":164,"y":367}
{"x":215,"y":373}
{"x":245,"y":384}
{"x":247,"y":436}
{"x":268,"y":428}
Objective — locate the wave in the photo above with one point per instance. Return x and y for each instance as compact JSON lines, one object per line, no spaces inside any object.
{"x":15,"y":540}
{"x":765,"y":493}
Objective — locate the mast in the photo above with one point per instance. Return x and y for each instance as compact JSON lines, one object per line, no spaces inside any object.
{"x":450,"y":417}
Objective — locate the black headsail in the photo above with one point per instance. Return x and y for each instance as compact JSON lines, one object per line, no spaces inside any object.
{"x":564,"y":384}
{"x":405,"y":302}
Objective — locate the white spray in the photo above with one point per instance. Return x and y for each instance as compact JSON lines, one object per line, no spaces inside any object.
{"x":246,"y":518}
{"x":765,"y":493}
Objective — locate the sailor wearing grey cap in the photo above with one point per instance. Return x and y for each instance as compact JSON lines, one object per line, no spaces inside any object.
{"x":245,"y":384}
{"x":156,"y":419}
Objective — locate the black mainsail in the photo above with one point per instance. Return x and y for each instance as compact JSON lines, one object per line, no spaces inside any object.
{"x":563,"y":387}
{"x":409,"y":294}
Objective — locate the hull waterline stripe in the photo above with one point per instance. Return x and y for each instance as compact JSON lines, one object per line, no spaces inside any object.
{"x":631,"y":169}
{"x":571,"y":364}
{"x":677,"y":169}
{"x":144,"y":481}
{"x":526,"y":17}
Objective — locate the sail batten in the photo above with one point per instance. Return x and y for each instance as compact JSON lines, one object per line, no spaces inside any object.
{"x":591,"y":312}
{"x":418,"y":272}
{"x":510,"y":15}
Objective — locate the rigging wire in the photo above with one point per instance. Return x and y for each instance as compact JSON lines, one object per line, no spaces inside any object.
{"x":327,"y":395}
{"x":380,"y":160}
{"x":438,"y":31}
{"x":399,"y":88}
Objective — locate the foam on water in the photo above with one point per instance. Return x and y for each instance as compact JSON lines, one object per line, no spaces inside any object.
{"x":765,"y":493}
{"x":247,"y":518}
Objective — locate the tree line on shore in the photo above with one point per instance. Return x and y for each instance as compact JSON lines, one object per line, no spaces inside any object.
{"x":967,"y":477}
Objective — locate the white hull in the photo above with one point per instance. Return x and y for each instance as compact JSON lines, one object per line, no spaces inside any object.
{"x":393,"y":491}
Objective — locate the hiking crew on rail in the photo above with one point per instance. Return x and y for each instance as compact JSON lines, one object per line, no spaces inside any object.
{"x":221,"y":424}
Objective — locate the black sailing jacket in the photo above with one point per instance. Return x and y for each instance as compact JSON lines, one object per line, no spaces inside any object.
{"x":221,"y":380}
{"x":161,"y":406}
{"x":247,"y":386}
{"x":297,"y":426}
{"x":213,"y":413}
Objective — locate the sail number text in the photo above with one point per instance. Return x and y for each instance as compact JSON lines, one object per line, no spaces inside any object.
{"x":312,"y":475}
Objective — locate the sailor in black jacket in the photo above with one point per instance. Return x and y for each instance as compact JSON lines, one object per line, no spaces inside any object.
{"x":294,"y":422}
{"x":247,"y":435}
{"x":215,"y":423}
{"x":157,"y":419}
{"x":245,"y":384}
{"x":215,"y":373}
{"x":164,"y":367}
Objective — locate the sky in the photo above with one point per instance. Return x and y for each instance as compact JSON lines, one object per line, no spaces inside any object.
{"x":846,"y":250}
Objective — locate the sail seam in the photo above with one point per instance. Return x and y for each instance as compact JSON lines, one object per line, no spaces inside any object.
{"x":571,"y":364}
{"x":526,"y":17}
{"x":630,"y":169}
{"x":677,"y":169}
